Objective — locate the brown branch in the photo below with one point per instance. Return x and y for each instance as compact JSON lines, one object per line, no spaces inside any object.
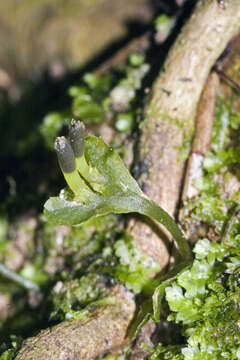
{"x":203,"y":135}
{"x":230,"y":75}
{"x":105,"y":329}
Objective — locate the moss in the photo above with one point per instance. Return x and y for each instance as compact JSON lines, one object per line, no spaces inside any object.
{"x":120,"y":260}
{"x":163,"y":24}
{"x":122,"y":95}
{"x":51,"y":126}
{"x":133,"y":268}
{"x":97,"y":97}
{"x":220,"y":165}
{"x":88,"y":103}
{"x":96,"y":230}
{"x":16,"y":342}
{"x":75,"y":295}
{"x":210,"y":290}
{"x":124,"y":122}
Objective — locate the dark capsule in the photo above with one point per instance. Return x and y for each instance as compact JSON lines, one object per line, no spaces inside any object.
{"x":77,"y":134}
{"x":65,"y":155}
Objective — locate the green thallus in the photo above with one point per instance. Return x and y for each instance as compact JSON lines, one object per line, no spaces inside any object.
{"x":101,"y":184}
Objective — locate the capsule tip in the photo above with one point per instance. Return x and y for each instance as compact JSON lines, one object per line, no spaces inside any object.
{"x":60,"y":144}
{"x":65,"y":154}
{"x":77,"y":134}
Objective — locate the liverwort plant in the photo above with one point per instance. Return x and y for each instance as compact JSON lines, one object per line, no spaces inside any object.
{"x":100,"y":184}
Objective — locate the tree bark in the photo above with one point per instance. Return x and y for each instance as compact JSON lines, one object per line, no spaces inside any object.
{"x":84,"y":339}
{"x":202,"y":136}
